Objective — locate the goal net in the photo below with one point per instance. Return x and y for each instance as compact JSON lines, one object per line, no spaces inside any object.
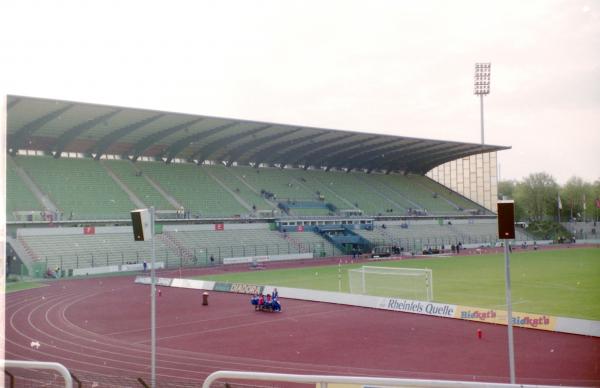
{"x":407,"y":283}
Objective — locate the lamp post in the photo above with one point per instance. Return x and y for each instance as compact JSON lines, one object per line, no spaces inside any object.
{"x":506,"y":232}
{"x":482,"y":86}
{"x":142,"y":221}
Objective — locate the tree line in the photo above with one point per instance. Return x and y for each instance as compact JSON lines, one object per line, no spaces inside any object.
{"x":538,"y":197}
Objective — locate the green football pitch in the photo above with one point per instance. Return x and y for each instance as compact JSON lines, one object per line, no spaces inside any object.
{"x":562,"y":282}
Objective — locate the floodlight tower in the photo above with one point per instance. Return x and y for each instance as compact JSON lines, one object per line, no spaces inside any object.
{"x":482,"y":86}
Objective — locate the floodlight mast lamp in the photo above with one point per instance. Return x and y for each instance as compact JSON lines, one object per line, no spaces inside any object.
{"x":482,"y":86}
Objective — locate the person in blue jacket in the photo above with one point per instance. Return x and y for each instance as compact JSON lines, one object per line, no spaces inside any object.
{"x":275,"y":305}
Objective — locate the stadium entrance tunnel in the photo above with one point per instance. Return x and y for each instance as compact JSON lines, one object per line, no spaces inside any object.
{"x":344,"y":238}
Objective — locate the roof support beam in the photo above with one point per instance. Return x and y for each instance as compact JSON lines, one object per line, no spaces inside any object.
{"x":442,"y":157}
{"x":103,"y":144}
{"x":298,"y":154}
{"x":23,"y":134}
{"x":69,"y":135}
{"x":443,"y":152}
{"x":305,"y":154}
{"x":389,"y":164}
{"x":204,"y":152}
{"x":240,"y":150}
{"x":357,"y":160}
{"x":332,"y":161}
{"x":182,"y":144}
{"x":331,"y":151}
{"x":275,"y":152}
{"x":155,"y":137}
{"x":294,"y":150}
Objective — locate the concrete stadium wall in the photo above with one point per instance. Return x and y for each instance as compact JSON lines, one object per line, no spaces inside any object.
{"x":127,"y":229}
{"x":73,"y":231}
{"x":192,"y":228}
{"x":268,"y":258}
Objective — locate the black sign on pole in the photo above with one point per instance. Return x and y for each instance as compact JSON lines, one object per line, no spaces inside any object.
{"x":142,"y":225}
{"x":506,"y":220}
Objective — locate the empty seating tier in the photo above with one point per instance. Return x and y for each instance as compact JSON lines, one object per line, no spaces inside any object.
{"x":138,"y":184}
{"x":19,"y":198}
{"x":194,"y":189}
{"x":80,"y":188}
{"x":84,"y":189}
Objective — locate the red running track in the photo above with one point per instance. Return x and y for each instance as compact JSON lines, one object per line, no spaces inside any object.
{"x":100,"y":327}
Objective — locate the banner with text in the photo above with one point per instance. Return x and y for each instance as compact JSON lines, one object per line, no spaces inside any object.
{"x":532,"y":321}
{"x":418,"y":307}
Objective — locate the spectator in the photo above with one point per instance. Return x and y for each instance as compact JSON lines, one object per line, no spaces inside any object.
{"x":254,"y":301}
{"x":212,"y":260}
{"x":275,"y":305}
{"x":50,"y":273}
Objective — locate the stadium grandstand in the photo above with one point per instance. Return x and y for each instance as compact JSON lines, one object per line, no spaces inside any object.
{"x":227,"y":188}
{"x":232,"y":197}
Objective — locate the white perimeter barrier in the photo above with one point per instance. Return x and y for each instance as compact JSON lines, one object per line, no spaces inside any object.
{"x":577,"y":326}
{"x":193,"y":284}
{"x":116,"y":268}
{"x":394,"y":304}
{"x":475,"y":314}
{"x":264,"y":259}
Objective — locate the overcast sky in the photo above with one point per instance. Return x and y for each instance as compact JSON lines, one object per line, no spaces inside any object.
{"x":393,"y":67}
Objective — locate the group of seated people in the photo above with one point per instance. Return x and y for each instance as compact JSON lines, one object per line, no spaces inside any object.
{"x":267,"y":303}
{"x":52,"y":273}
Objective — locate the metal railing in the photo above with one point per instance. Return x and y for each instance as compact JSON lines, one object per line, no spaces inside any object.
{"x":196,"y":256}
{"x":324,"y":380}
{"x":55,"y":366}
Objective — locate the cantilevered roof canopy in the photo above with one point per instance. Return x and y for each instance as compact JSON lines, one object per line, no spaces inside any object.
{"x":56,"y":127}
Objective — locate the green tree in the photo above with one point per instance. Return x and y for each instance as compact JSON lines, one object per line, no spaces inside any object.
{"x":537,"y":194}
{"x":506,"y":190}
{"x":592,"y":211}
{"x":575,"y":191}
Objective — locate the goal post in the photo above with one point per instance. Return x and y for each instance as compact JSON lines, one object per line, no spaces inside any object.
{"x":408,"y":283}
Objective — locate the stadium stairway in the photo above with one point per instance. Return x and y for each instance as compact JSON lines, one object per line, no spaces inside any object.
{"x":295,"y":243}
{"x":385,"y":193}
{"x":407,"y":202}
{"x":454,"y":197}
{"x":132,"y":197}
{"x":23,"y":250}
{"x":316,"y":181}
{"x":159,"y":188}
{"x":41,"y":197}
{"x":30,"y":252}
{"x":230,"y":191}
{"x":272,"y":204}
{"x":173,"y":243}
